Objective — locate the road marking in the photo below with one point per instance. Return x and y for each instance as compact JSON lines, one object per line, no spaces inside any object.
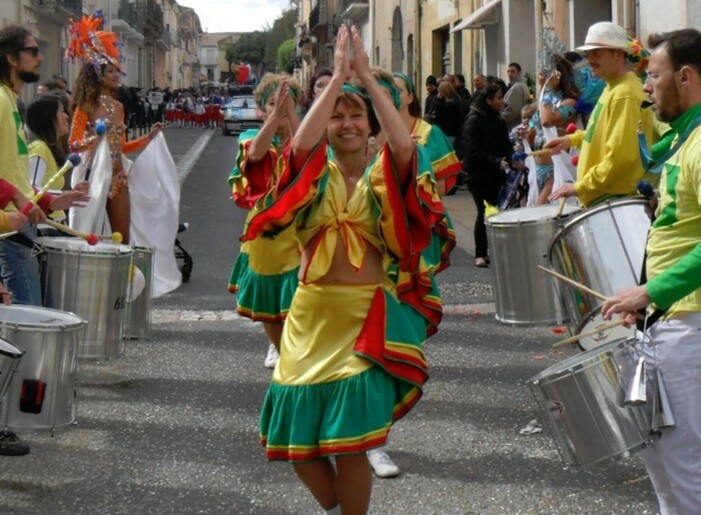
{"x":188,"y":161}
{"x":165,"y":316}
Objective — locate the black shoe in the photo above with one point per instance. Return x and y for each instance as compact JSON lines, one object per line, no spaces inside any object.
{"x":11,"y":445}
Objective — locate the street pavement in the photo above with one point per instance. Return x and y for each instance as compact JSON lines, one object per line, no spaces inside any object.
{"x":171,"y":426}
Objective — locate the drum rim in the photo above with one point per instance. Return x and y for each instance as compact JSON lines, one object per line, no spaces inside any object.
{"x":77,"y":323}
{"x":552,"y":373}
{"x":564,"y":216}
{"x":112,"y":249}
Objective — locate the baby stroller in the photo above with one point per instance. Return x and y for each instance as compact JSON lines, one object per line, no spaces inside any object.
{"x":182,"y":256}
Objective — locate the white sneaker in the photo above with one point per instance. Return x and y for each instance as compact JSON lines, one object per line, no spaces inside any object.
{"x":272,"y":357}
{"x":382,"y":464}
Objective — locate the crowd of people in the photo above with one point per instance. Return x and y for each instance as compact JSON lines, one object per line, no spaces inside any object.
{"x":343,"y":184}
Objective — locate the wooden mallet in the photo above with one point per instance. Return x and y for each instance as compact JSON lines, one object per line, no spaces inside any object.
{"x":90,"y":238}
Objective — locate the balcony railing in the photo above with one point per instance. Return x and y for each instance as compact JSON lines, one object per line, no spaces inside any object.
{"x":62,"y":9}
{"x":354,"y":9}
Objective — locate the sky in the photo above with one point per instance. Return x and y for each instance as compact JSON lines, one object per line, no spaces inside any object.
{"x":236,"y":15}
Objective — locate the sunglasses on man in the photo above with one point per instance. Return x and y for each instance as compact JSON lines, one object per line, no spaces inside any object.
{"x":34,"y":50}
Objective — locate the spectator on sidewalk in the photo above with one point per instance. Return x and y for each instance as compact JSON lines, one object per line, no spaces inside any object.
{"x":517,"y":96}
{"x":431,"y":96}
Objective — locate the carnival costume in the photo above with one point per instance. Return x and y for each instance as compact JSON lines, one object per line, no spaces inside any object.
{"x":351,"y":360}
{"x":446,"y":167}
{"x":264,"y":276}
{"x":99,"y":48}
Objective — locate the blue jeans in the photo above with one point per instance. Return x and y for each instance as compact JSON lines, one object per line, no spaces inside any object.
{"x":19,"y":270}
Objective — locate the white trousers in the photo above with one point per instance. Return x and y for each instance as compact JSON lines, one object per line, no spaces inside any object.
{"x":674,"y":461}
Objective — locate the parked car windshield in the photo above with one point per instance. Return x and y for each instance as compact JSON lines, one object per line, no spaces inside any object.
{"x":243,"y":102}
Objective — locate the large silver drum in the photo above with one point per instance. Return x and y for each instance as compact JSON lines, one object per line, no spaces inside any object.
{"x":582,"y":397}
{"x":602,"y":248}
{"x":137,"y":318}
{"x":10,"y":357}
{"x":91,"y":281}
{"x":518,"y":241}
{"x":42,"y":393}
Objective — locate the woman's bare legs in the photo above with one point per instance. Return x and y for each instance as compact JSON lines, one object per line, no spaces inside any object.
{"x":350,"y":487}
{"x":119,"y":213}
{"x":274,"y":333}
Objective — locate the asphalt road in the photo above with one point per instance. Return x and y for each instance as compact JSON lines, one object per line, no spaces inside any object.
{"x":171,"y":426}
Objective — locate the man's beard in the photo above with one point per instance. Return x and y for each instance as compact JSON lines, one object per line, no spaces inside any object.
{"x":28,"y":77}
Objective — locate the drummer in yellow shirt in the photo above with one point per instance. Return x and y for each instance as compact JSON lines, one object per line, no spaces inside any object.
{"x":609,"y":163}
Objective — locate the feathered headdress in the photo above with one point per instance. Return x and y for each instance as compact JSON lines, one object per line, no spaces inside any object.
{"x":93,"y":46}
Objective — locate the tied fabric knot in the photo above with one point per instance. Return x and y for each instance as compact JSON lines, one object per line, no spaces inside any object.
{"x":341,"y":219}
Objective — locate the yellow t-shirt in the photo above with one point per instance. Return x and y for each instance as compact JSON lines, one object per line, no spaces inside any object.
{"x":609,"y":162}
{"x":14,"y":154}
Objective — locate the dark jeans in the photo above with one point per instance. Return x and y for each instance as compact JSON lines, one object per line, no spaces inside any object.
{"x":480,"y":232}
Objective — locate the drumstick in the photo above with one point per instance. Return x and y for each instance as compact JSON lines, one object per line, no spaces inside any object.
{"x":561,"y":207}
{"x":71,"y":161}
{"x":577,"y":337}
{"x":100,"y":129}
{"x":7,"y":234}
{"x":574,"y":283}
{"x":91,"y":238}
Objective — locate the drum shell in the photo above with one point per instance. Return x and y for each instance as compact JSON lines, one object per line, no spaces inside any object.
{"x":137,"y":315}
{"x":603,"y":248}
{"x":90,"y":281}
{"x":10,"y":357}
{"x":519,"y":241}
{"x":50,"y":340}
{"x":582,"y":397}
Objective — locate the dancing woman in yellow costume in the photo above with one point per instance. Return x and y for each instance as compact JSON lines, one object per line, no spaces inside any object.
{"x":94,"y":102}
{"x":264,"y":276}
{"x":351,"y":359}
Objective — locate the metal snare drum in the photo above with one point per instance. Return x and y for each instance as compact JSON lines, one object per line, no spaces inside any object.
{"x":518,"y":243}
{"x":91,"y":281}
{"x":42,"y":393}
{"x":10,"y":357}
{"x":582,"y":397}
{"x":602,"y":248}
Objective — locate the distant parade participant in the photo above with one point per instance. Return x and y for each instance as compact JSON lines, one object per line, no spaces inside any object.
{"x":673,"y":269}
{"x":609,"y":164}
{"x":351,"y":360}
{"x":264,"y":276}
{"x":94,"y":102}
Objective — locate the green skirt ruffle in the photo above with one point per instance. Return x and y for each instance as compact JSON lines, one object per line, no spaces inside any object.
{"x":301,"y":423}
{"x":263,"y":298}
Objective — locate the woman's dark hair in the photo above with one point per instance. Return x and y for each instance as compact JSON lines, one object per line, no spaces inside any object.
{"x":567,"y":83}
{"x":41,"y":121}
{"x":87,"y":87}
{"x":310,"y":94}
{"x":12,"y":40}
{"x":493,"y":87}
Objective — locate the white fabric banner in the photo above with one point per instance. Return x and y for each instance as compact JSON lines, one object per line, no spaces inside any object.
{"x":97,"y":165}
{"x":155,"y":211}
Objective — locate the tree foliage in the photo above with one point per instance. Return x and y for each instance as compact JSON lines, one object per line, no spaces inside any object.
{"x":283,"y":29}
{"x":286,"y":56}
{"x":249,"y":48}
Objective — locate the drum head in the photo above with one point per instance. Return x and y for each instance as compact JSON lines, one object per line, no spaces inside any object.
{"x":7,"y":349}
{"x":593,"y":321}
{"x":79,"y":245}
{"x":531,"y":214}
{"x":37,"y":319}
{"x":578,"y":361}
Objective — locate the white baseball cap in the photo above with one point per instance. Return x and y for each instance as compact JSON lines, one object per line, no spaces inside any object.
{"x":605,"y":34}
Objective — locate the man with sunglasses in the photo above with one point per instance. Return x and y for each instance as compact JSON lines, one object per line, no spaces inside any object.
{"x":20,"y":60}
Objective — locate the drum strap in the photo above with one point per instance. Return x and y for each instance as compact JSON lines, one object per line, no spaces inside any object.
{"x":21,"y":239}
{"x":646,"y":321}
